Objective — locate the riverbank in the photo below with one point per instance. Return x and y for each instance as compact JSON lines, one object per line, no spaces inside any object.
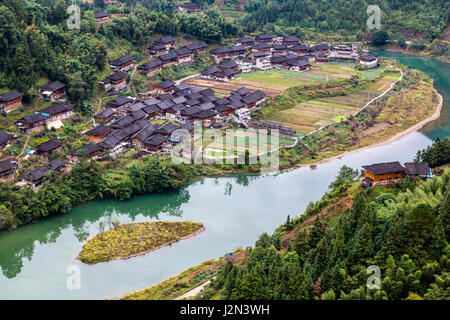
{"x":134,"y":239}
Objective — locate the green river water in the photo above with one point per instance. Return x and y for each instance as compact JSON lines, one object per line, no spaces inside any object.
{"x":34,"y":259}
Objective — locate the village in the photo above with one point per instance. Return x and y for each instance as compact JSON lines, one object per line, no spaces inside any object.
{"x":146,"y":122}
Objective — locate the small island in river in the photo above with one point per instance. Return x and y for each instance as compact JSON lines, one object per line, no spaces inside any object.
{"x":129,"y":240}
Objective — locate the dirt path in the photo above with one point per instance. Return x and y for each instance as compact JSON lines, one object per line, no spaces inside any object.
{"x":193,"y":292}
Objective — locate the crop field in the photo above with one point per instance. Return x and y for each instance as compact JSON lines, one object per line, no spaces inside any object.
{"x":243,"y":141}
{"x":313,"y":114}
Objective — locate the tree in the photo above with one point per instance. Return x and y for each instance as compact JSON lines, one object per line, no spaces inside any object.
{"x":379,"y":38}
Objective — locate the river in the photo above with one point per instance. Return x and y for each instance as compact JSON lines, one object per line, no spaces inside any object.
{"x":34,"y":259}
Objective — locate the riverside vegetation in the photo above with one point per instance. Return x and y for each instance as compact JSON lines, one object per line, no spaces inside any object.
{"x":403,"y":228}
{"x":128,"y":240}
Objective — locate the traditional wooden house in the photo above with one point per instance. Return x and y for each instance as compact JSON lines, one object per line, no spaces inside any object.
{"x":124,"y":63}
{"x":261,"y":60}
{"x":321,"y":57}
{"x":189,"y":7}
{"x":150,"y":68}
{"x":369,"y":61}
{"x":167,"y":41}
{"x":221,"y":53}
{"x":264,"y":38}
{"x":206,"y":116}
{"x":238,"y":51}
{"x":5,"y":138}
{"x":209,"y":72}
{"x":279,"y":50}
{"x":321,"y":47}
{"x":270,"y":126}
{"x":290,"y":41}
{"x":418,"y":170}
{"x":101,"y":17}
{"x":53,"y":91}
{"x":228,"y":64}
{"x":47,"y":148}
{"x":7,"y":169}
{"x":246,"y":42}
{"x":98,"y":133}
{"x":33,"y":123}
{"x":155,"y":143}
{"x":10,"y":101}
{"x":90,"y":151}
{"x":169,"y":59}
{"x":115,"y":82}
{"x":59,"y":111}
{"x":165,"y":86}
{"x":343,"y":53}
{"x":264,"y":47}
{"x":157,"y":50}
{"x":119,"y":103}
{"x":300,"y":49}
{"x":254,"y":99}
{"x":184,"y":55}
{"x":104,"y":116}
{"x":381,"y":173}
{"x":197,"y":47}
{"x":36,"y":177}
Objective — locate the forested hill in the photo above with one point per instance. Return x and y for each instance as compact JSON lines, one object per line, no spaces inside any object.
{"x":426,"y":17}
{"x":36,"y":42}
{"x":403,"y":229}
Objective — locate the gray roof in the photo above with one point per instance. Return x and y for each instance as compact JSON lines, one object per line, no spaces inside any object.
{"x":56,"y":108}
{"x":7,"y":165}
{"x":39,"y":173}
{"x":383,"y":168}
{"x":48,"y":146}
{"x":56,"y":85}
{"x":104,"y":113}
{"x":417,"y":168}
{"x":11,"y":95}
{"x":4,"y":138}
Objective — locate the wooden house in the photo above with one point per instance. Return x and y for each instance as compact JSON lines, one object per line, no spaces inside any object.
{"x":34,"y":123}
{"x":98,"y":133}
{"x":264,"y":38}
{"x":53,"y":91}
{"x":157,"y":50}
{"x":47,"y":148}
{"x":270,"y":125}
{"x":369,"y":61}
{"x":254,"y":99}
{"x":120,"y":102}
{"x":321,"y":57}
{"x":124,"y":63}
{"x":189,"y":7}
{"x":279,"y":50}
{"x":381,"y":173}
{"x":197,"y":47}
{"x":101,"y":17}
{"x":154,"y":143}
{"x":10,"y":101}
{"x":418,"y":170}
{"x":321,"y":47}
{"x":115,"y":82}
{"x":300,"y":49}
{"x":169,"y":59}
{"x":36,"y":177}
{"x":104,"y":116}
{"x":221,"y":53}
{"x":163,"y":87}
{"x":150,"y":68}
{"x":290,"y":41}
{"x":184,"y":55}
{"x":85,"y":151}
{"x":7,"y":169}
{"x":246,"y":42}
{"x":59,"y":111}
{"x":167,"y":41}
{"x":5,"y":138}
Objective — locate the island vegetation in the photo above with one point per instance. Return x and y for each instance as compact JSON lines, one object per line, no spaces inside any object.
{"x":132,"y":239}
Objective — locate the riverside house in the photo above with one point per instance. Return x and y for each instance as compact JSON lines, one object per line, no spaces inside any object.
{"x":10,"y":101}
{"x":369,"y":61}
{"x":53,"y":91}
{"x":418,"y":170}
{"x":34,"y":123}
{"x":382,"y":173}
{"x":36,"y":177}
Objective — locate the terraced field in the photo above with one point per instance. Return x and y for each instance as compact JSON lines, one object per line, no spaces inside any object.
{"x":311,"y":115}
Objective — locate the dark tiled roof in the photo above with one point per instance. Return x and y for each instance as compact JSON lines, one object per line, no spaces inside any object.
{"x":156,"y":140}
{"x":165,"y":84}
{"x":227,"y":64}
{"x":104,"y":113}
{"x":206,"y":106}
{"x":221,"y":50}
{"x":4,"y":138}
{"x":264,"y":37}
{"x":190,"y":111}
{"x":261,"y":46}
{"x":222,"y":108}
{"x":151,"y":109}
{"x":56,"y":108}
{"x":421,"y":168}
{"x":182,"y":51}
{"x":290,"y":39}
{"x":246,"y":40}
{"x":259,"y":54}
{"x":189,"y":126}
{"x":167,"y":128}
{"x":7,"y":165}
{"x":119,"y":101}
{"x":166,"y":96}
{"x":151,"y":101}
{"x":300,"y":47}
{"x":123,"y":122}
{"x":190,"y":5}
{"x":254,"y":97}
{"x":166,"y":39}
{"x":280,"y":47}
{"x":116,"y":76}
{"x":122,"y":60}
{"x":98,"y":131}
{"x":168,"y":57}
{"x":32,"y":119}
{"x":39,"y":173}
{"x":205,"y":114}
{"x":383,"y":168}
{"x":48,"y":146}
{"x":11,"y":95}
{"x":370,"y":57}
{"x":165,"y":104}
{"x":179,"y":100}
{"x":182,"y":86}
{"x":90,"y":148}
{"x":222,"y":101}
{"x":207,"y":92}
{"x":197,"y":45}
{"x":139,"y":114}
{"x":321,"y":46}
{"x":150,"y":65}
{"x":56,"y":85}
{"x":109,"y":142}
{"x":145,"y":133}
{"x":210,"y":70}
{"x":101,"y":14}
